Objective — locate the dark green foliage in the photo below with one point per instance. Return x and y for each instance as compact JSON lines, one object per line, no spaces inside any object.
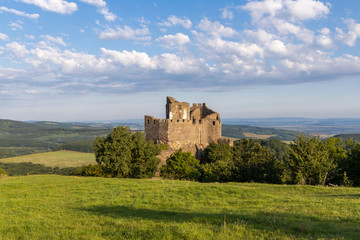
{"x":218,"y":163}
{"x":28,"y":168}
{"x":91,"y":170}
{"x":144,"y":161}
{"x":350,"y":166}
{"x":255,"y":163}
{"x":181,"y":165}
{"x":309,"y":161}
{"x":80,"y":146}
{"x":123,"y":154}
{"x":345,"y":137}
{"x":278,"y":148}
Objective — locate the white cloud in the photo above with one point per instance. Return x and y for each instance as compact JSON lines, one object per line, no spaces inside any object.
{"x":215,"y":28}
{"x":57,"y":40}
{"x":287,"y":9}
{"x":174,"y":40}
{"x":126,"y":58}
{"x":3,"y":36}
{"x":226,"y":13}
{"x":102,"y":8}
{"x":173,"y":21}
{"x":126,"y":33}
{"x":58,"y":6}
{"x":19,"y":13}
{"x":325,"y":41}
{"x":349,"y":38}
{"x":18,"y":25}
{"x":306,"y":9}
{"x":17,"y":49}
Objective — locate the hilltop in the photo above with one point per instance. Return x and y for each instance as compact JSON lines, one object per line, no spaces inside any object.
{"x":59,"y":207}
{"x":21,"y":138}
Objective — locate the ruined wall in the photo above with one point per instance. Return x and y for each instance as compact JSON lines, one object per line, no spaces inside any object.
{"x":184,"y":127}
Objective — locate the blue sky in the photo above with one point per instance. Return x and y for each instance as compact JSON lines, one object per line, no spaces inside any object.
{"x":83,"y":60}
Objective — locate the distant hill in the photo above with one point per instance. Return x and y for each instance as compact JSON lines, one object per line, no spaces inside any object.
{"x":21,"y":138}
{"x":345,"y":137}
{"x":323,"y":127}
{"x":244,"y":131}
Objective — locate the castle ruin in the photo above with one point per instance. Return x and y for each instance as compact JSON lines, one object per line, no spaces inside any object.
{"x":185,"y":127}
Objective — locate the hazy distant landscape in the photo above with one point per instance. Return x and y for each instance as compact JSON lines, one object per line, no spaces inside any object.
{"x":21,"y":138}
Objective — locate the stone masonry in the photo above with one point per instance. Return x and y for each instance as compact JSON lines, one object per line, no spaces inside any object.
{"x":185,"y":127}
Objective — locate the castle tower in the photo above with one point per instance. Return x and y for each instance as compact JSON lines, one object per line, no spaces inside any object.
{"x":177,"y":110}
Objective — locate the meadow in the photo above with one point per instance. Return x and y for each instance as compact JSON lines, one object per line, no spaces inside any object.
{"x":61,"y":159}
{"x":68,"y":207}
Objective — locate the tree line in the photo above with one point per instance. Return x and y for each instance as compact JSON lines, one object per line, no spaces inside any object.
{"x":307,"y":160}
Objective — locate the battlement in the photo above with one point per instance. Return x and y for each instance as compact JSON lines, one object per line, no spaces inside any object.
{"x":184,"y":125}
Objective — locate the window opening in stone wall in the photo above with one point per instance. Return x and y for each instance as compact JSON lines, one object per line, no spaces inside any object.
{"x":213,"y":122}
{"x":199,"y":121}
{"x":154,"y":121}
{"x":148,"y":121}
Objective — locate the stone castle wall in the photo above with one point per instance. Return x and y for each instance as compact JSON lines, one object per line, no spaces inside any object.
{"x":184,"y":127}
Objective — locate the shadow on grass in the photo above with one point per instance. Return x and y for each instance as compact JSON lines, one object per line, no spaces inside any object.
{"x":291,"y":224}
{"x":28,"y":168}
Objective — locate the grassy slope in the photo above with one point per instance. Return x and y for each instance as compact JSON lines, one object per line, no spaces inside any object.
{"x":59,"y":159}
{"x":55,"y":207}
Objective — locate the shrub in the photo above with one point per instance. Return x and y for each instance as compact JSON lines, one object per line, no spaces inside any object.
{"x":181,"y":165}
{"x":91,"y":170}
{"x":2,"y":173}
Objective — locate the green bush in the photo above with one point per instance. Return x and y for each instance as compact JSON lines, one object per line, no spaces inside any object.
{"x":2,"y":173}
{"x":181,"y":165}
{"x":91,"y":170}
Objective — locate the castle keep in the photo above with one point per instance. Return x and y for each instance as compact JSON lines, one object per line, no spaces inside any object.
{"x":184,"y":126}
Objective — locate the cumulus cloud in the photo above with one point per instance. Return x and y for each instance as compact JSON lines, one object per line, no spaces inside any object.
{"x":126,"y":33}
{"x":173,"y":21}
{"x":19,"y":13}
{"x":51,"y":39}
{"x":3,"y":36}
{"x":58,"y":6}
{"x":349,"y":38}
{"x":102,"y":8}
{"x":174,"y":40}
{"x":288,"y":9}
{"x":215,"y":28}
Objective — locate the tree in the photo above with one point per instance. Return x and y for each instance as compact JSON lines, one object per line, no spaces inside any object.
{"x":144,"y":161}
{"x":123,"y":154}
{"x":350,"y":166}
{"x":181,"y":165}
{"x":255,"y":163}
{"x":309,"y":161}
{"x":218,"y":164}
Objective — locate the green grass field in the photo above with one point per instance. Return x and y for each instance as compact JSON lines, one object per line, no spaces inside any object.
{"x":59,"y":159}
{"x":59,"y":207}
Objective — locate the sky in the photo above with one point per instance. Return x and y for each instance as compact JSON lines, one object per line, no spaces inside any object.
{"x":87,"y":60}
